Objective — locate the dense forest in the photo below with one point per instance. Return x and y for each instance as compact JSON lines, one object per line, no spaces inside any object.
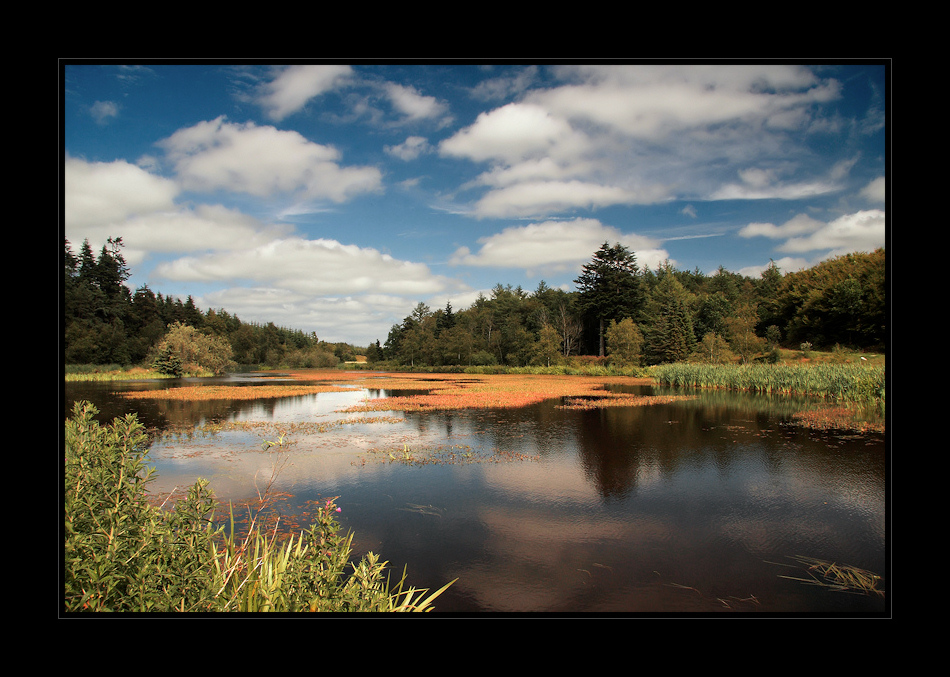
{"x":104,"y":322}
{"x":627,"y":314}
{"x":618,"y":311}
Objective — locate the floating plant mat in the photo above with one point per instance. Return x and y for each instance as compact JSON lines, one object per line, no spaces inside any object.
{"x":499,"y":391}
{"x":443,"y":454}
{"x":435,"y":391}
{"x":620,"y":400}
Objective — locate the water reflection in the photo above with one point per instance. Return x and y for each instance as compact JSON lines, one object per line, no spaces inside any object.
{"x":690,"y":506}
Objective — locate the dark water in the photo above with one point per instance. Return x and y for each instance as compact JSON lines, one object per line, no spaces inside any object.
{"x":697,"y":506}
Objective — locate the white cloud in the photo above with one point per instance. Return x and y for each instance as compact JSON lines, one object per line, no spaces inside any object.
{"x":860,"y":231}
{"x":791,"y":191}
{"x":410,"y":149}
{"x":108,"y":193}
{"x":246,"y":158}
{"x":313,"y":267}
{"x":102,"y":111}
{"x":358,"y":319}
{"x":512,"y":133}
{"x":294,"y":86}
{"x":545,"y":197}
{"x":614,"y":135}
{"x":876,"y":190}
{"x":118,"y":199}
{"x":413,"y":105}
{"x":554,"y":246}
{"x":801,"y":224}
{"x":651,"y":101}
{"x":756,"y":183}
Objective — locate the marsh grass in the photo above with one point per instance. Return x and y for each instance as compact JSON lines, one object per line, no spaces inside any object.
{"x":78,"y":373}
{"x":856,"y":392}
{"x":838,"y":382}
{"x":838,"y":577}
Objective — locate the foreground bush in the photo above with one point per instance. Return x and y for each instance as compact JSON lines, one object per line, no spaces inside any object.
{"x":124,"y":554}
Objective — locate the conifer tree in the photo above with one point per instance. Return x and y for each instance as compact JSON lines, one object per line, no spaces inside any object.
{"x":609,"y":288}
{"x":670,"y":336}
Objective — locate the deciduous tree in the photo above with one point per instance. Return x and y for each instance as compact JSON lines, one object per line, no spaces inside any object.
{"x":624,"y":342}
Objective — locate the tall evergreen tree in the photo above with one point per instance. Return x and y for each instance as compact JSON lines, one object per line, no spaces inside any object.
{"x":609,"y":288}
{"x":670,"y":336}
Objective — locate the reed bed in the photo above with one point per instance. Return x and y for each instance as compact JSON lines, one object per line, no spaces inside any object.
{"x":114,"y":375}
{"x":838,"y":382}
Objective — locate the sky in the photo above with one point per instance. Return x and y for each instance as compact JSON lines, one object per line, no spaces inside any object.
{"x":333,"y":197}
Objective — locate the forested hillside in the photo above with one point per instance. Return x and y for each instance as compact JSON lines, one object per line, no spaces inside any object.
{"x":627,"y":314}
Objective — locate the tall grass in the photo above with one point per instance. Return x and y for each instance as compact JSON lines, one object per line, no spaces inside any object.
{"x":124,"y":554}
{"x":838,"y":382}
{"x":109,"y":372}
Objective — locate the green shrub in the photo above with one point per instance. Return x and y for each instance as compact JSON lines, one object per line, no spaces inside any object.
{"x":124,"y":554}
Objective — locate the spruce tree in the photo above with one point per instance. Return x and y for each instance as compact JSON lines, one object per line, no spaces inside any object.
{"x":670,"y":335}
{"x":609,"y":288}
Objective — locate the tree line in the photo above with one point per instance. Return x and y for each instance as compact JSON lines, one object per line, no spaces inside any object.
{"x":618,"y":311}
{"x":630,"y":315}
{"x":104,"y":323}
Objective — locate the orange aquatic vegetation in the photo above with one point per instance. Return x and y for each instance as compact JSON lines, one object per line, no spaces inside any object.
{"x":447,"y":392}
{"x":836,"y":418}
{"x":619,"y":400}
{"x":436,"y":391}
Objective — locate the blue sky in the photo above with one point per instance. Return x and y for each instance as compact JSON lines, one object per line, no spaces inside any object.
{"x":334,"y":197}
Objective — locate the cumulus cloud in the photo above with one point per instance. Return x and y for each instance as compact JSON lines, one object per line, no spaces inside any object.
{"x":510,"y":134}
{"x":358,"y":319}
{"x":103,"y":111}
{"x":554,"y":246}
{"x":321,"y":266}
{"x":651,"y":101}
{"x":875,"y":191}
{"x":860,"y":231}
{"x":624,"y":135}
{"x":801,"y":224}
{"x":410,"y":149}
{"x":294,"y":86}
{"x":412,"y":105}
{"x":262,"y":160}
{"x":108,"y":193}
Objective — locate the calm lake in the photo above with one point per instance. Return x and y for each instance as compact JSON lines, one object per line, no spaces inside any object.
{"x":695,"y":506}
